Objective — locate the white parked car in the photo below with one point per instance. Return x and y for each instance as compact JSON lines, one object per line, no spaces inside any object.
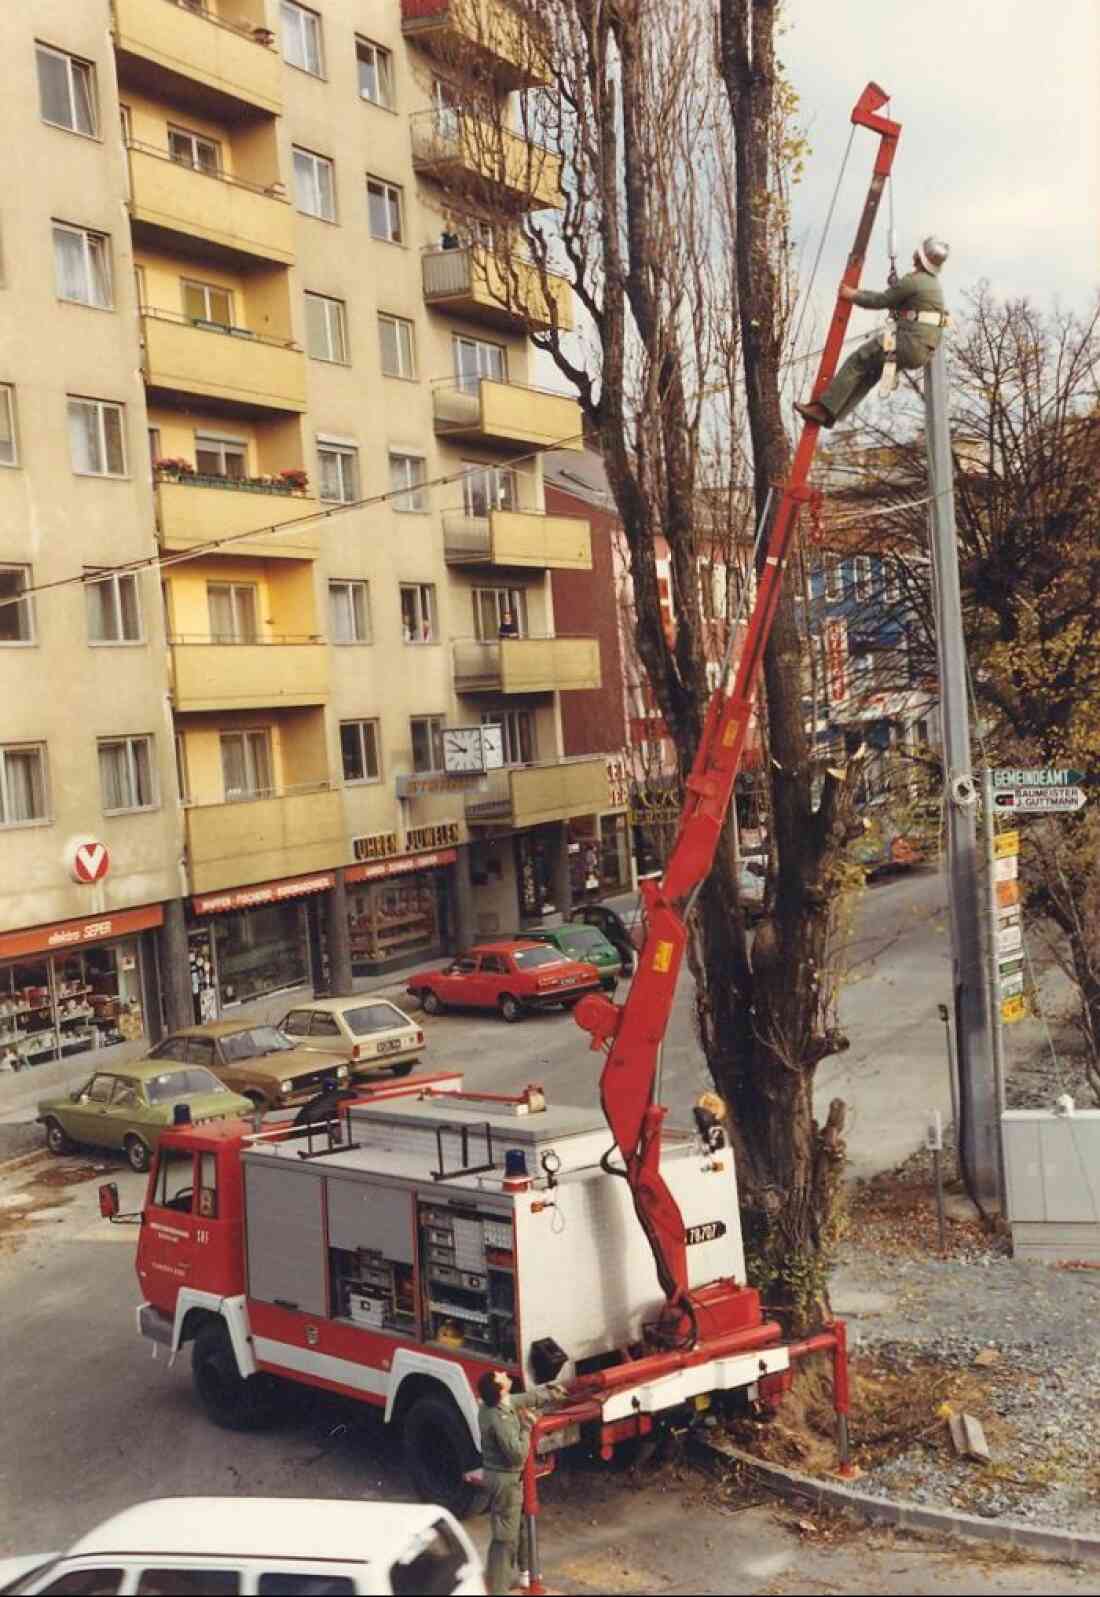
{"x":370,"y":1033}
{"x":259,"y":1547}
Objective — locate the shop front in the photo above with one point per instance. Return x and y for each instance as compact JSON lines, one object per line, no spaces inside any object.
{"x":599,"y":845}
{"x":251,"y":941}
{"x":399,"y":909}
{"x":76,"y":987}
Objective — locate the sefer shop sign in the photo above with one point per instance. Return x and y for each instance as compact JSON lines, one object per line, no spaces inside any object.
{"x":74,"y":933}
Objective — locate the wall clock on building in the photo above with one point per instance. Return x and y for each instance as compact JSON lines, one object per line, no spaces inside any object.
{"x":462,"y":750}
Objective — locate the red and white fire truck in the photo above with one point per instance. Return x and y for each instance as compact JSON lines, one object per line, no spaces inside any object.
{"x":425,"y":1234}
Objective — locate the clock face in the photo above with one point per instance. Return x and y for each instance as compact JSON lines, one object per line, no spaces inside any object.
{"x":462,"y":749}
{"x":492,"y":744}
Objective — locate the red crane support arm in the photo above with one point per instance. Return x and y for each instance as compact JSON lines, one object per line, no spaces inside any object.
{"x":633,"y":1033}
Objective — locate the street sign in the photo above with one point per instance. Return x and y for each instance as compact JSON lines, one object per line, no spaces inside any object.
{"x":1007,"y":893}
{"x":1040,"y":778}
{"x":1012,"y":937}
{"x":1040,"y":800}
{"x":1007,"y":845}
{"x":1010,"y":986}
{"x":1013,"y":1009}
{"x":1009,"y":965}
{"x":1007,"y":868}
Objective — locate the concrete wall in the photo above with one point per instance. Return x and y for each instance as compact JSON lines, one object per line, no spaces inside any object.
{"x":1052,"y":1175}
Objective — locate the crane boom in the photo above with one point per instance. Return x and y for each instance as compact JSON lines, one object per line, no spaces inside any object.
{"x":632,"y":1033}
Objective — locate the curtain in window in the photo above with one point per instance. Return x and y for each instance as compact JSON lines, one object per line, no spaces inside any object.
{"x":339,"y":603}
{"x":82,"y":99}
{"x":114,"y":776}
{"x":142,"y":772}
{"x":25,"y":786}
{"x":102,"y":619}
{"x":220,"y":604}
{"x":71,"y":265}
{"x":130,"y":605}
{"x":259,"y":751}
{"x":100,"y":271}
{"x":351,"y":751}
{"x":317,"y":339}
{"x":112,"y":437}
{"x":332,"y":482}
{"x":7,"y":427}
{"x":53,"y":88}
{"x":84,"y":437}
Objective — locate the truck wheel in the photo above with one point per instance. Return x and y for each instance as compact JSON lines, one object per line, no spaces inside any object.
{"x":137,"y":1154}
{"x":510,"y":1008}
{"x":230,"y":1401}
{"x":56,"y":1140}
{"x":438,"y":1452}
{"x":430,"y":1002}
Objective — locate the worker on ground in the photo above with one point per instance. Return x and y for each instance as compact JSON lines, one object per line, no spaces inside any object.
{"x":916,"y":304}
{"x":505,"y":1442}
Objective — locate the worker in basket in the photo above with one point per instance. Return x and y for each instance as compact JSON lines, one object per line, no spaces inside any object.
{"x":916,"y":305}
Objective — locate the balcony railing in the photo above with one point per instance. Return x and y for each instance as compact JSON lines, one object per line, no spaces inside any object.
{"x":281,"y":671}
{"x":526,"y":665}
{"x":506,"y":413}
{"x":517,"y":538}
{"x":231,"y":66}
{"x":505,"y":292}
{"x":251,"y":371}
{"x":509,"y":172}
{"x":263,"y":836}
{"x":172,"y":199}
{"x":228,"y":507}
{"x":514,"y":51}
{"x":548,"y":790}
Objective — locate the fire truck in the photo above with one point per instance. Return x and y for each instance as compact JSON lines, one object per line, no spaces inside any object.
{"x":423,"y":1234}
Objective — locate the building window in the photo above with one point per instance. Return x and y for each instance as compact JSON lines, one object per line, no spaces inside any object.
{"x":246,"y":765}
{"x":863,"y":576}
{"x":206,"y":302}
{"x":221,"y":457}
{"x":427,"y":742}
{"x":66,"y":90}
{"x":487,"y":488}
{"x":384,"y":211}
{"x":418,"y":612}
{"x":192,"y":149}
{"x":891,"y":581}
{"x":302,"y":38}
{"x":517,"y":734}
{"x":326,"y":328}
{"x":95,"y":438}
{"x":834,"y":580}
{"x":475,"y":359}
{"x":314,"y":185}
{"x":406,"y":482}
{"x":114,"y":608}
{"x":16,"y":614}
{"x":126,"y":774}
{"x":375,"y":73}
{"x":22,"y":783}
{"x":231,"y":607}
{"x":492,"y":606}
{"x":349,"y":612}
{"x":338,"y":469}
{"x":183,"y":785}
{"x":82,"y":265}
{"x":8,"y":453}
{"x":395,"y":335}
{"x":359,"y":750}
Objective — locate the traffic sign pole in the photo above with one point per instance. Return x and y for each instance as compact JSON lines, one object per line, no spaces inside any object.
{"x":996,"y":1023}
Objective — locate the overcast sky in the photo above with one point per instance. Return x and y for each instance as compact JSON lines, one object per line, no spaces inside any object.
{"x":999,"y":146}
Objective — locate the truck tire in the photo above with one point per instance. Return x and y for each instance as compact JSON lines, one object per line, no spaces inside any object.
{"x":234,"y":1403}
{"x":438,"y":1452}
{"x":511,"y":1008}
{"x":430,"y":1002}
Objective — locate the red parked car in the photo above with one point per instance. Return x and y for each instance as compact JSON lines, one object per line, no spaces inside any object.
{"x":510,"y":977}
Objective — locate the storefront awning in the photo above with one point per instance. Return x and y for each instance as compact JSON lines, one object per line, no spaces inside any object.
{"x":75,"y":933}
{"x":262,"y":893}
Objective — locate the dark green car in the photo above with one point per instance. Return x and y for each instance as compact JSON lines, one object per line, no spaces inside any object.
{"x":586,"y":943}
{"x":128,"y":1108}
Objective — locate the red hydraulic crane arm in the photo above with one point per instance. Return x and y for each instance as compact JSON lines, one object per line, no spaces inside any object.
{"x":633,"y":1033}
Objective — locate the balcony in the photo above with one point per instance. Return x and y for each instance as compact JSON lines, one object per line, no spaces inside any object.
{"x":175,"y":208}
{"x":517,"y":538}
{"x":526,"y":665}
{"x":185,"y":54}
{"x":243,"y":372}
{"x":507,"y":172}
{"x":257,"y":840}
{"x":482,"y":33}
{"x":193,"y":509}
{"x":529,"y":795}
{"x":278,"y":673}
{"x":483,"y":410}
{"x":473,"y":282}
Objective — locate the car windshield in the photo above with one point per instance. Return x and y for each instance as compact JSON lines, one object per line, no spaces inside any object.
{"x":529,"y":958}
{"x":374,"y":1017}
{"x":254,"y":1043}
{"x":175,"y":1083}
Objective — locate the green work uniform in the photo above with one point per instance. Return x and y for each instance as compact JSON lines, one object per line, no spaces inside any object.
{"x":505,"y":1443}
{"x":916,"y":341}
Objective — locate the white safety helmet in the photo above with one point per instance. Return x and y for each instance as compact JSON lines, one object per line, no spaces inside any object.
{"x":932,"y":252}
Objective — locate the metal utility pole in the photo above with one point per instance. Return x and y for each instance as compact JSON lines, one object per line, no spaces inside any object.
{"x":978,"y":1128}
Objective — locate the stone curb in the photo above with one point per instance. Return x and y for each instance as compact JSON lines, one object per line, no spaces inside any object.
{"x":794,"y":1486}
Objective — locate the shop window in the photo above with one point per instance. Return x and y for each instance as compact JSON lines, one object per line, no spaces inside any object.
{"x":246,"y":765}
{"x":488,"y":488}
{"x":375,"y":73}
{"x":427,"y":742}
{"x":207,"y":302}
{"x":349,"y":612}
{"x":66,"y":90}
{"x":126,"y":774}
{"x":216,"y":456}
{"x":418,"y":612}
{"x":96,"y":438}
{"x":517,"y":734}
{"x":16,"y":614}
{"x":8,"y":453}
{"x":394,"y":919}
{"x":113,"y":606}
{"x":338,"y":466}
{"x":82,"y":264}
{"x":260,"y":951}
{"x":359,"y":750}
{"x":232,"y":610}
{"x":69,"y":1004}
{"x":492,"y":605}
{"x":326,"y":328}
{"x":23,"y":795}
{"x":193,"y":149}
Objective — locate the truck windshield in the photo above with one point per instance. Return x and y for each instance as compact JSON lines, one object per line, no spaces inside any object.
{"x":531,"y":958}
{"x":175,"y":1083}
{"x":254,"y":1043}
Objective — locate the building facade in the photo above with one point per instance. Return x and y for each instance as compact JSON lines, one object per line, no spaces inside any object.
{"x":237,"y":314}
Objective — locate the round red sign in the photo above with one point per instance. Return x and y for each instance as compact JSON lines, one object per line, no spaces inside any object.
{"x":91,"y":862}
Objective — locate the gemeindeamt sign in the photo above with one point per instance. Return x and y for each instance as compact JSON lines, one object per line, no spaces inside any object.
{"x":1002,"y":777}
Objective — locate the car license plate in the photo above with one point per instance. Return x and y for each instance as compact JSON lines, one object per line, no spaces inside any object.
{"x":389,"y":1046}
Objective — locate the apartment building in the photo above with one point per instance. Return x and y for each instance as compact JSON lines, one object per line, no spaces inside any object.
{"x":235,"y":301}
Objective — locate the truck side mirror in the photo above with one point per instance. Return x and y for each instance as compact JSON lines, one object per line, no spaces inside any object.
{"x":108,"y":1200}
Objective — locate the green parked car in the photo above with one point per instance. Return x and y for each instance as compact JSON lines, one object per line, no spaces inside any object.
{"x":128,"y":1108}
{"x":586,"y":943}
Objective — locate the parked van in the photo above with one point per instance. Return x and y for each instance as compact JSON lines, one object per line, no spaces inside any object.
{"x":260,"y":1547}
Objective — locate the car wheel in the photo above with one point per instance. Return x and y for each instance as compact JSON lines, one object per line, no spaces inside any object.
{"x":430,"y":1002}
{"x":231,"y":1401}
{"x":137,"y":1154}
{"x":438,"y":1452}
{"x":56,"y":1140}
{"x":403,"y":1068}
{"x":258,"y":1101}
{"x":510,"y":1008}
